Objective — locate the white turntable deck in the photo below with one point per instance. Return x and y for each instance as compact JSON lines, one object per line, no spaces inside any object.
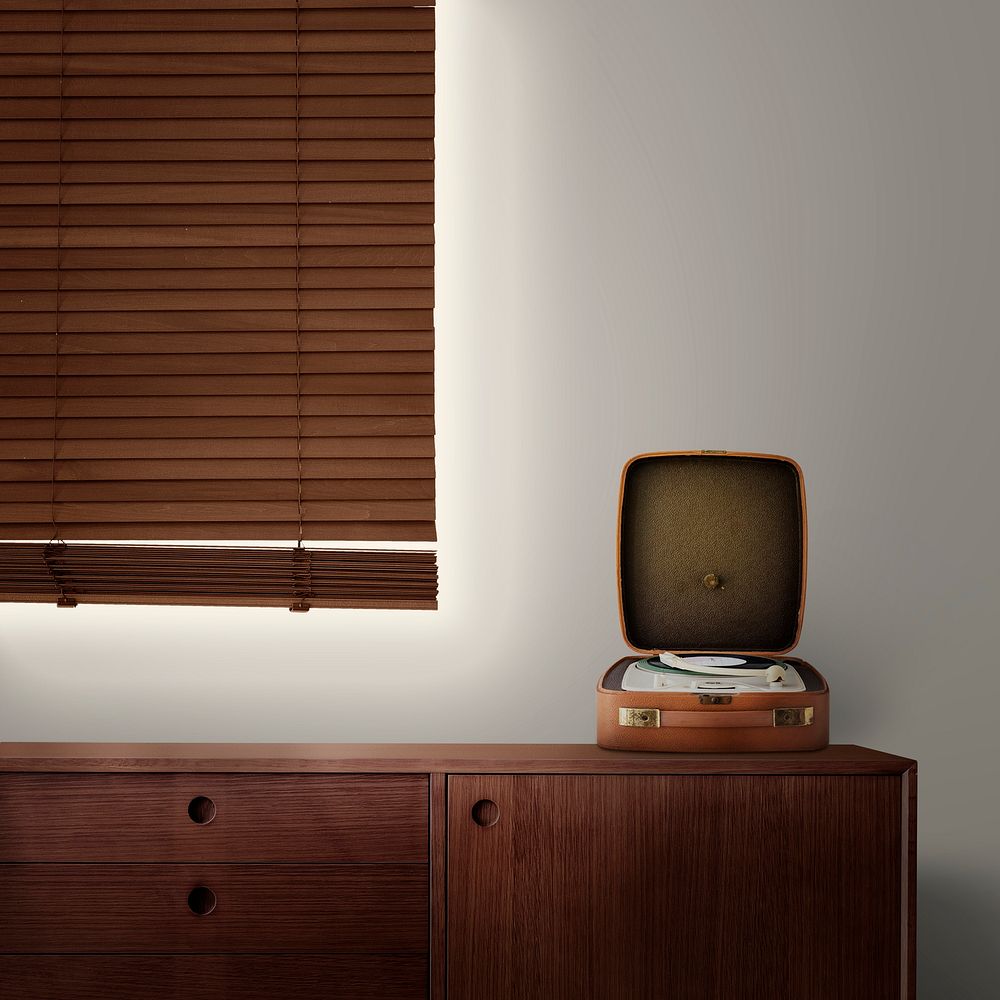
{"x":712,"y":674}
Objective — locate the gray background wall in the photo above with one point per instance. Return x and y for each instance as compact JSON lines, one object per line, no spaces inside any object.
{"x":764,"y":226}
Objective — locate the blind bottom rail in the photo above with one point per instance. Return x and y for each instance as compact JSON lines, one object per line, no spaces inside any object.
{"x":296,"y":578}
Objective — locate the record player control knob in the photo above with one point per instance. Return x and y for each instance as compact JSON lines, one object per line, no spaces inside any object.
{"x":712,"y":582}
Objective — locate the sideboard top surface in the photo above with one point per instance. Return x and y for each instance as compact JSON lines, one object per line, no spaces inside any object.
{"x":432,"y":758}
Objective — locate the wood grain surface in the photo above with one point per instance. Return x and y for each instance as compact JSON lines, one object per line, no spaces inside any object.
{"x":716,"y":877}
{"x":708,"y":888}
{"x":134,"y":817}
{"x":75,"y":908}
{"x":213,"y":977}
{"x":431,"y":758}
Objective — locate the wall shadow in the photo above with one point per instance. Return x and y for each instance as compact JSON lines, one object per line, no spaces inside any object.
{"x":958,"y":933}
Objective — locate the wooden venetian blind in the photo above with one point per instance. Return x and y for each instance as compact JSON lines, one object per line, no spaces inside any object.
{"x":216,"y":248}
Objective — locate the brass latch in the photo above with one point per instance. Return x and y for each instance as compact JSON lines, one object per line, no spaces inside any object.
{"x":792,"y":717}
{"x":643,"y":718}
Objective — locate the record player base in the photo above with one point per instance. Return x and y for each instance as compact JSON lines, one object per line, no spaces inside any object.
{"x":484,"y":872}
{"x":683,"y":723}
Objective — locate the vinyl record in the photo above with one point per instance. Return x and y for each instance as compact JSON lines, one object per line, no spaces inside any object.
{"x":735,"y":664}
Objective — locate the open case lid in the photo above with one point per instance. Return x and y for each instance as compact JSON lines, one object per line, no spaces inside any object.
{"x":711,"y":552}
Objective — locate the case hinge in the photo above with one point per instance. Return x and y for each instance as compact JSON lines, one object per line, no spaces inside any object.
{"x":792,"y":717}
{"x":644,"y":718}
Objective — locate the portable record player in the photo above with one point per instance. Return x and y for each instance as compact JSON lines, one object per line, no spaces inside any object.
{"x":711,"y":590}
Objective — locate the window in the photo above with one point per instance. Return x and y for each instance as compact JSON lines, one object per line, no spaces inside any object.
{"x":216,"y":249}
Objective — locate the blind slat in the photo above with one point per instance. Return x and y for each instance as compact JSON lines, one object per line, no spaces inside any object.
{"x":155,"y":5}
{"x":222,"y":278}
{"x":215,"y":469}
{"x":236,"y":236}
{"x":170,"y":108}
{"x":354,"y":74}
{"x":314,"y":343}
{"x":360,"y":384}
{"x":223,"y":600}
{"x":223,"y":321}
{"x":226,"y":321}
{"x":84,"y":130}
{"x":220,"y":300}
{"x":218,"y":19}
{"x":75,"y":258}
{"x":220,"y":406}
{"x":125,"y":107}
{"x":27,"y":212}
{"x":228,"y":511}
{"x":203,"y":257}
{"x":249,"y":489}
{"x":109,"y":150}
{"x":225,"y":172}
{"x":350,"y":531}
{"x":207,"y":172}
{"x":221,"y":20}
{"x":232,"y":364}
{"x":377,"y":447}
{"x":109,"y":429}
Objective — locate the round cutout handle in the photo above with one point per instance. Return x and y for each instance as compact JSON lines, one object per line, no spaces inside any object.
{"x":485,"y":813}
{"x":201,"y":900}
{"x":201,"y":810}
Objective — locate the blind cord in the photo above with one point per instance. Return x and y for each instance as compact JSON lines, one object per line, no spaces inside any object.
{"x":56,"y":546}
{"x":55,"y":536}
{"x":301,"y":560}
{"x":298,"y":290}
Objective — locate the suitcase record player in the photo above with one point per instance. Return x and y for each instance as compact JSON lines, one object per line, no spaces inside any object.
{"x":711,"y":589}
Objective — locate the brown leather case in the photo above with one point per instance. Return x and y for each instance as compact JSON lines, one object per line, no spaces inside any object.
{"x":712,"y":558}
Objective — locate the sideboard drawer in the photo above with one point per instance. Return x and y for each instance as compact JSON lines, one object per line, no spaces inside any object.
{"x":211,"y":977}
{"x":213,"y":908}
{"x":213,"y":817}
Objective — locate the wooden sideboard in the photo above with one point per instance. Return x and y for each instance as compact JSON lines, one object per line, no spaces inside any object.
{"x":476,"y":872}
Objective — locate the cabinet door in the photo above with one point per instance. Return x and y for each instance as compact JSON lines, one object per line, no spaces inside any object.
{"x":679,"y":887}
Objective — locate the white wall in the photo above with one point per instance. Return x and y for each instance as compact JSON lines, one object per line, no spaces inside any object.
{"x":764,"y":226}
